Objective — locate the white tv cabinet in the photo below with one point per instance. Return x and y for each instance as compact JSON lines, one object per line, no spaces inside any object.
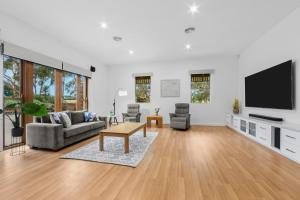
{"x":282,"y":138}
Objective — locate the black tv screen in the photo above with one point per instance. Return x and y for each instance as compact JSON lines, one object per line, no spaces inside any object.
{"x":271,"y":88}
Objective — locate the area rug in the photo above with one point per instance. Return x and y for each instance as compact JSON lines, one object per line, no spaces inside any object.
{"x":114,"y":150}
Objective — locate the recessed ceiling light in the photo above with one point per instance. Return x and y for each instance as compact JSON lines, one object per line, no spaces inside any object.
{"x":189,"y":30}
{"x":188,"y":46}
{"x":131,"y":52}
{"x":103,"y":25}
{"x":194,"y":8}
{"x":117,"y":38}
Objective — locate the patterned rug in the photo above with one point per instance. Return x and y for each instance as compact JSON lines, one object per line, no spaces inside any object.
{"x":114,"y":150}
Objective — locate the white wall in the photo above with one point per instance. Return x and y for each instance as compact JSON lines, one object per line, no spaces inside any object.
{"x":279,"y":44}
{"x":22,"y":34}
{"x":223,"y":87}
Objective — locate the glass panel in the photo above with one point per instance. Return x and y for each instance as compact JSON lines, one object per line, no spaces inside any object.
{"x":142,"y":89}
{"x":69,"y":91}
{"x":82,"y":93}
{"x":12,"y":92}
{"x":200,"y":88}
{"x":44,"y":86}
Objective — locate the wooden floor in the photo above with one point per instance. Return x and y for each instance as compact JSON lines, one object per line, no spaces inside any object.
{"x":202,"y":163}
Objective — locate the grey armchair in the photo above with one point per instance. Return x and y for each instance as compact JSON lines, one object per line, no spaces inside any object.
{"x":133,"y":113}
{"x":181,"y":118}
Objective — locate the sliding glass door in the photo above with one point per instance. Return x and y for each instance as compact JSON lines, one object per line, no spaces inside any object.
{"x":44,"y":86}
{"x":12,"y":92}
{"x":69,"y":91}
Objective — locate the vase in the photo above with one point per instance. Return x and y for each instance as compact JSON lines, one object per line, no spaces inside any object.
{"x":17,"y":132}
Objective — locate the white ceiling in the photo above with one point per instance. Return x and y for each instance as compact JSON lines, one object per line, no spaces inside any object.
{"x":154,"y":29}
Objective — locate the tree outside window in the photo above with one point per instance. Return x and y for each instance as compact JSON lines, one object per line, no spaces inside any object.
{"x":44,"y":86}
{"x":69,"y":91}
{"x":200,"y":88}
{"x":142,"y":89}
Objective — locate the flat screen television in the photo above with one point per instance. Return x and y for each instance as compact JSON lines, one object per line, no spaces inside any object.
{"x":271,"y":88}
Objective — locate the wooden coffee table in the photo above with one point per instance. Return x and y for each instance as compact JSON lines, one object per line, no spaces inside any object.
{"x":121,"y":130}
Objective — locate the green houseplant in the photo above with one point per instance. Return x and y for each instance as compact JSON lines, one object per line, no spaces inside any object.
{"x":19,"y":109}
{"x":236,"y":106}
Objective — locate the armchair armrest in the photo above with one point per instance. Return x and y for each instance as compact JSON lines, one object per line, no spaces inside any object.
{"x":104,"y":119}
{"x":43,"y":135}
{"x":124,"y":116}
{"x":172,"y":115}
{"x":138,"y":117}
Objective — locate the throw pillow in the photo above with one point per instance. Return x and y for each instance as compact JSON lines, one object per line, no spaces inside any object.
{"x":55,"y":118}
{"x":90,"y":117}
{"x":66,"y":121}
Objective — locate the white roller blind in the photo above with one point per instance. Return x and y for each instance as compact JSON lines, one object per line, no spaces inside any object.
{"x":76,"y":70}
{"x":26,"y":54}
{"x":142,"y":74}
{"x":202,"y":71}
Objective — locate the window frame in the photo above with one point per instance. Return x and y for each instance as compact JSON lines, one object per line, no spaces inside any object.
{"x":135,"y":88}
{"x":191,"y":84}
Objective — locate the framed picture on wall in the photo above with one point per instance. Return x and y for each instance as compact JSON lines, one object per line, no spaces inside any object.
{"x":170,"y":88}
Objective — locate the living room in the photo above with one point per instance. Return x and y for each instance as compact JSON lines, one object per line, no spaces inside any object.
{"x":87,"y":77}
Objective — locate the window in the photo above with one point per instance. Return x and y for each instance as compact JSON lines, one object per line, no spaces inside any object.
{"x":82,"y":93}
{"x":200,"y":88}
{"x":12,"y":91}
{"x":69,"y":91}
{"x":142,"y":89}
{"x":44,"y":86}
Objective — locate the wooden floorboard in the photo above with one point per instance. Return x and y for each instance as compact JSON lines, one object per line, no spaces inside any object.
{"x":208,"y":163}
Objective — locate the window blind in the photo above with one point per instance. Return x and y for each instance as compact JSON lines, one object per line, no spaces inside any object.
{"x":143,"y":80}
{"x":200,"y":77}
{"x":76,"y":70}
{"x":29,"y":55}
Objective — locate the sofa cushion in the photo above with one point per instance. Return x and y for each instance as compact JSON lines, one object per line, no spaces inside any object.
{"x":130,"y":119}
{"x":79,"y":128}
{"x":65,"y":119}
{"x":89,"y":116}
{"x":179,"y":119}
{"x":76,"y":129}
{"x":96,"y":124}
{"x":182,"y":115}
{"x":55,"y":118}
{"x":43,"y":119}
{"x":77,"y":117}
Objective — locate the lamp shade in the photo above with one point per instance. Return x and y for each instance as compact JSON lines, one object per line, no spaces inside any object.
{"x":122,"y":92}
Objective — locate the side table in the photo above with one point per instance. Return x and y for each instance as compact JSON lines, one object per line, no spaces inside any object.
{"x":157,"y":118}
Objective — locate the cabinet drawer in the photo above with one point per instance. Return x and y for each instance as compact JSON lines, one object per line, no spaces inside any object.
{"x":262,"y":129}
{"x":291,"y":137}
{"x":291,"y":151}
{"x":236,"y":123}
{"x":262,"y":140}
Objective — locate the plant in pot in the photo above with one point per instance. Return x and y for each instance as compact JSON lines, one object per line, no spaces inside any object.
{"x":236,"y":106}
{"x":18,"y":109}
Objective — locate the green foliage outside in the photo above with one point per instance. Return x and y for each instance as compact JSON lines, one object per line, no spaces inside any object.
{"x":12,"y":74}
{"x":43,"y":86}
{"x":142,"y":93}
{"x":69,"y":91}
{"x":201,"y":92}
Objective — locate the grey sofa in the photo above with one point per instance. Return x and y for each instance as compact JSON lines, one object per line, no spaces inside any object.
{"x":43,"y":134}
{"x":181,"y":118}
{"x":133,"y":113}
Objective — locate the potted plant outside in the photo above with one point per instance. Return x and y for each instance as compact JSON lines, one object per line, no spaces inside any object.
{"x":23,"y":109}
